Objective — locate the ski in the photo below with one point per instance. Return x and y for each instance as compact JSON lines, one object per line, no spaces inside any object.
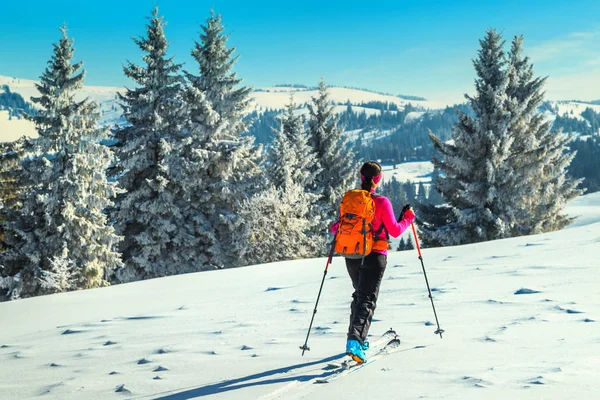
{"x":373,"y":346}
{"x":349,"y":366}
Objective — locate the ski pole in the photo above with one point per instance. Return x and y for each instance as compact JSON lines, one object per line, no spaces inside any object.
{"x":305,"y":347}
{"x":439,"y":330}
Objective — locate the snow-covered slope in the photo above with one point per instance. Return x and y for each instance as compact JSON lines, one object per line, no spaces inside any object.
{"x":279,"y":97}
{"x":12,"y":128}
{"x":574,"y":109}
{"x":105,"y":96}
{"x":418,"y":171}
{"x":234,"y":334}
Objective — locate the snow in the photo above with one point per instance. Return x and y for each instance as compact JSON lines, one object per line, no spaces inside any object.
{"x":418,"y":171}
{"x":277,"y":98}
{"x":414,"y":115}
{"x":26,"y":88}
{"x":12,"y":129}
{"x":234,"y":334}
{"x":574,"y":107}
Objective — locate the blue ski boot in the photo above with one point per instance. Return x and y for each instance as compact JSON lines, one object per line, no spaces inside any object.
{"x":355,"y":350}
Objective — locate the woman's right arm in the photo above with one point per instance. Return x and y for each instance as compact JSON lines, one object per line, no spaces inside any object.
{"x":393,"y":227}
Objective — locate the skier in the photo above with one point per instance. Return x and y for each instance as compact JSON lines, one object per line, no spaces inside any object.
{"x":366,"y":273}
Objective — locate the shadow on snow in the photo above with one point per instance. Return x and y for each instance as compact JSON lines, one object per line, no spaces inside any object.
{"x":241,"y":383}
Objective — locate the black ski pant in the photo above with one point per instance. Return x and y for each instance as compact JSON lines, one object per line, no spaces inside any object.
{"x":366,"y":278}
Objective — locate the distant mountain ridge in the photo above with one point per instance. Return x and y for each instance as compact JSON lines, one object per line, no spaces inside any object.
{"x":263,"y":99}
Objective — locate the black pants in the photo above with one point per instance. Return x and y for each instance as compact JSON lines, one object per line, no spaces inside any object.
{"x":366,"y":279}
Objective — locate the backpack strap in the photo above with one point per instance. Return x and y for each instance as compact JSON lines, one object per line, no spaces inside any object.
{"x":382,"y":226}
{"x":378,"y":232}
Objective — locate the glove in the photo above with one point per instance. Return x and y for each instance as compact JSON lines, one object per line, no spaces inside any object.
{"x":408,"y":213}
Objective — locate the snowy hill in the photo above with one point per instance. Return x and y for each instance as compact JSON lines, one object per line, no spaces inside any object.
{"x":418,"y":171}
{"x":520,"y":317}
{"x":279,"y":97}
{"x":262,"y":99}
{"x":574,"y":108}
{"x":12,"y":128}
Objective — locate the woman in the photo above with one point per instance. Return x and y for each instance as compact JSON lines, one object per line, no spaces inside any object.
{"x":367,"y":274}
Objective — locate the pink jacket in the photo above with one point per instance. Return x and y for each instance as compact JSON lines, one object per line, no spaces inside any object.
{"x":384,"y":213}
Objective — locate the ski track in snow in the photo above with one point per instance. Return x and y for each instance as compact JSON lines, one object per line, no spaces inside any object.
{"x":519,"y":314}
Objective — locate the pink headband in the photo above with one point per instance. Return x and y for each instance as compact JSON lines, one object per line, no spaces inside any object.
{"x":376,"y":179}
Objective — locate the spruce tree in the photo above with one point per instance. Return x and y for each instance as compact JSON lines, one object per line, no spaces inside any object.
{"x":409,"y":244}
{"x":230,"y":161}
{"x":291,"y":158}
{"x":335,"y":159}
{"x":539,"y":161}
{"x":475,"y":169}
{"x":401,"y":245}
{"x":277,"y":225}
{"x":288,"y":206}
{"x":66,"y":242}
{"x":10,"y":204}
{"x":148,"y":214}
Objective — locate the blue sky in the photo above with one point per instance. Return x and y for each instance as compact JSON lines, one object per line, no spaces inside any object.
{"x":408,"y":47}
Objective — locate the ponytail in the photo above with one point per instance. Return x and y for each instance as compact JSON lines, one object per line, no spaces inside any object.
{"x":367,"y":184}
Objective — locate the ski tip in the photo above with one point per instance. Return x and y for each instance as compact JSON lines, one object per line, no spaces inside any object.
{"x":390,"y":332}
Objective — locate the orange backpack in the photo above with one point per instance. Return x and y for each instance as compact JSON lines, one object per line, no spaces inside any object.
{"x":354,"y":238}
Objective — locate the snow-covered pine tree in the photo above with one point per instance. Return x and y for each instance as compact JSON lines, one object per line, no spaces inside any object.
{"x":539,"y":161}
{"x":229,"y":160}
{"x":475,"y":168}
{"x":335,"y":159}
{"x":66,"y":241}
{"x":10,"y":164}
{"x":10,"y":204}
{"x":148,"y":214}
{"x":291,"y":158}
{"x":276,"y":222}
{"x":286,"y":208}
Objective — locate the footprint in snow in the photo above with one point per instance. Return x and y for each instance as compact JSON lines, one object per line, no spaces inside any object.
{"x":526,"y":291}
{"x":476,"y":382}
{"x":160,"y":368}
{"x":71,"y":332}
{"x":141,"y":318}
{"x":537,"y":381}
{"x":244,"y":347}
{"x":143,"y":361}
{"x":163,"y":351}
{"x":272,"y":289}
{"x":568,"y":310}
{"x":109,"y":343}
{"x":122,"y":389}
